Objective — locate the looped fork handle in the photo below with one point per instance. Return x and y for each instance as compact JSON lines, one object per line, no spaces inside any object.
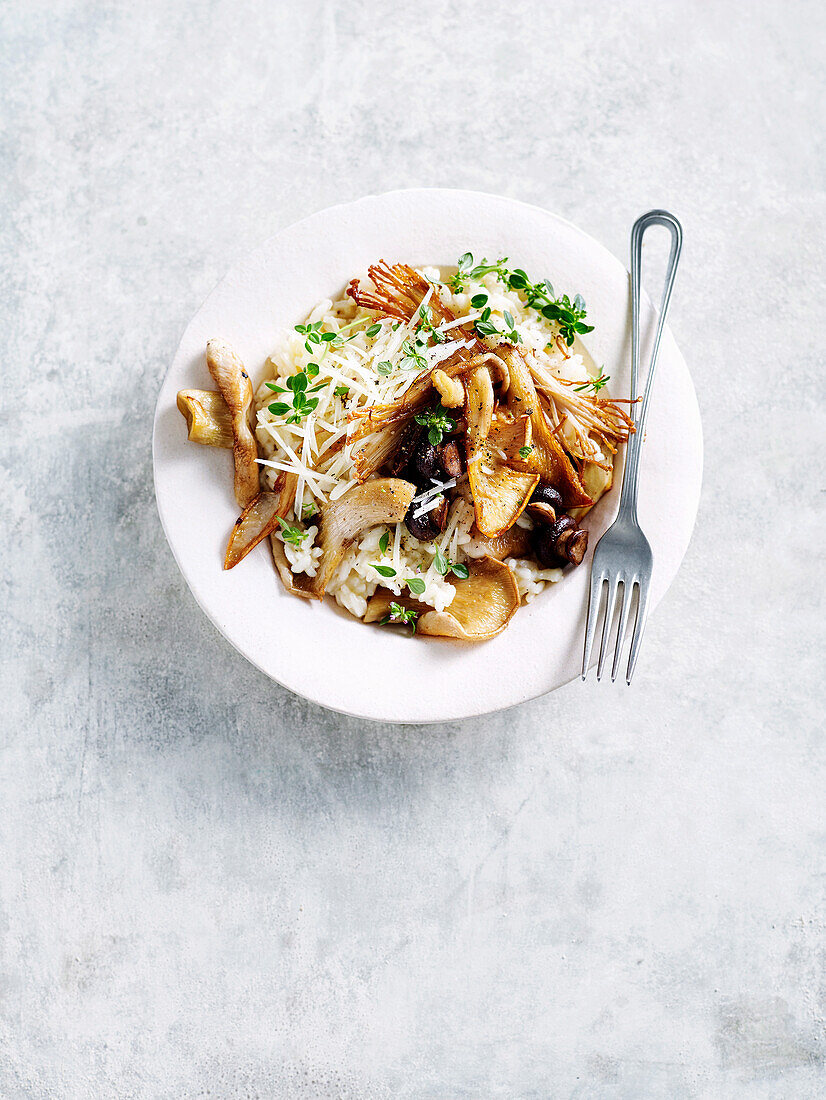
{"x":632,"y":459}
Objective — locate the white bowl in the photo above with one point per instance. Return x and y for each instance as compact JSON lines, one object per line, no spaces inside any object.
{"x":316,"y":650}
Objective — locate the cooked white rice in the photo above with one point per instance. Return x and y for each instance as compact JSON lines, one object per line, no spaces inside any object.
{"x":325,"y":472}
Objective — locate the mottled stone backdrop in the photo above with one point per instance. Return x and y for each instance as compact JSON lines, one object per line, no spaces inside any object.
{"x":209,"y":888}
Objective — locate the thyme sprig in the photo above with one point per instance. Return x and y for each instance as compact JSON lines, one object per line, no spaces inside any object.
{"x":593,"y":384}
{"x":444,"y":566}
{"x":567,"y":314}
{"x":437,"y":421}
{"x":399,"y":614}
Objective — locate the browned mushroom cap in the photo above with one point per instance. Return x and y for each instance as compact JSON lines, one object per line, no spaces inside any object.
{"x":259,"y":519}
{"x":562,"y":543}
{"x":236,"y":389}
{"x":208,"y":419}
{"x":596,"y":481}
{"x":499,"y":492}
{"x":381,"y":501}
{"x":545,"y":513}
{"x":483,"y":605}
{"x":513,"y":543}
{"x":547,"y":458}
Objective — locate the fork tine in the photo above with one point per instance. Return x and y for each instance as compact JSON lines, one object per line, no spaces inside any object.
{"x":613,"y":584}
{"x":627,"y":590}
{"x":639,"y":627}
{"x":591,"y":622}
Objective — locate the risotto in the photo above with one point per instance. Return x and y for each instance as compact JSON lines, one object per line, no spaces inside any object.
{"x":426,"y":445}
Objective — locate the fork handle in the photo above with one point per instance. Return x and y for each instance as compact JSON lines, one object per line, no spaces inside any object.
{"x":632,"y":457}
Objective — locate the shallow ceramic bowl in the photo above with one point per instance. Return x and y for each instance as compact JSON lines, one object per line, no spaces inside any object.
{"x":313,"y":648}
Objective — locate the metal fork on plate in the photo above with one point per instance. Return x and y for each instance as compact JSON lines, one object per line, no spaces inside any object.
{"x":623,"y":555}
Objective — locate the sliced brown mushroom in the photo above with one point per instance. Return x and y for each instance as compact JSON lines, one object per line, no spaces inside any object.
{"x":259,"y":519}
{"x":483,"y":606}
{"x":499,"y":492}
{"x":236,"y":389}
{"x":297,"y":584}
{"x":545,"y":513}
{"x":596,"y":481}
{"x":384,"y":500}
{"x":560,"y":544}
{"x":546,"y":458}
{"x":208,"y":419}
{"x":513,"y":543}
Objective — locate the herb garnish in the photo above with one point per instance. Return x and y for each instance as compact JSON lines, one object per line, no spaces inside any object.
{"x":437,"y":422}
{"x":300,"y":404}
{"x":341,"y":391}
{"x":427,"y":327}
{"x":293,"y":535}
{"x":594,"y":384}
{"x":445,"y":566}
{"x":486,"y":327}
{"x":308,"y":510}
{"x":416,"y":585}
{"x":383,"y":541}
{"x":525,"y":452}
{"x":412,"y":358}
{"x":399,"y":614}
{"x":569,"y":315}
{"x":383,"y":570}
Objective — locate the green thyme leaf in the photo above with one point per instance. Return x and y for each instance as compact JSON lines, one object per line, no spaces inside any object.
{"x":278,"y":408}
{"x":385,"y":367}
{"x":383,"y":541}
{"x":341,"y":391}
{"x":416,"y":585}
{"x":383,"y":570}
{"x":441,"y":563}
{"x":460,"y":570}
{"x":594,"y":384}
{"x":293,"y":535}
{"x":374,"y":330}
{"x":524,"y":452}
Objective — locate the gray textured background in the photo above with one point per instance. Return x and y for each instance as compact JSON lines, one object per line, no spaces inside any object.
{"x":211,"y":888}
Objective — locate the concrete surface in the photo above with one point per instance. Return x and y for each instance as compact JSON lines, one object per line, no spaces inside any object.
{"x":210,"y":888}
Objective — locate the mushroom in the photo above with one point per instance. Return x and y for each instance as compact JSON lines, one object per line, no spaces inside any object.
{"x":450,"y":390}
{"x":484,"y":603}
{"x":428,"y":525}
{"x":499,"y":492}
{"x":236,"y":389}
{"x":513,"y":543}
{"x":259,"y":519}
{"x":545,"y":503}
{"x":383,"y":500}
{"x":208,"y":419}
{"x":451,"y":459}
{"x":597,"y":481}
{"x":562,"y":543}
{"x":547,"y":458}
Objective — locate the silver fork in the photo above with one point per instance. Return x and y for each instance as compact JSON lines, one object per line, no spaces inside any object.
{"x":623,"y":555}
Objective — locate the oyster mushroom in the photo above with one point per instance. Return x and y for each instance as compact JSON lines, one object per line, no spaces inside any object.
{"x":236,"y":389}
{"x":547,"y":458}
{"x":259,"y":519}
{"x":499,"y":492}
{"x":384,"y":500}
{"x":482,"y":607}
{"x":208,"y":419}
